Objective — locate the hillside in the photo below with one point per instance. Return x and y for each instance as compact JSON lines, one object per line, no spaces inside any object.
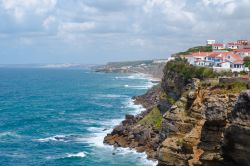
{"x":148,"y":67}
{"x":192,"y":118}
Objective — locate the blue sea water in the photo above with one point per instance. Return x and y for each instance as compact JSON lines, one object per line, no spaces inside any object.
{"x":59,"y":117}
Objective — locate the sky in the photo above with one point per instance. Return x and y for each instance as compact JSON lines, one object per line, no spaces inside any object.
{"x":98,"y":31}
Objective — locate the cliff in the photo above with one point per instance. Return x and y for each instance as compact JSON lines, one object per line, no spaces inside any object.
{"x":191,"y":119}
{"x":149,"y":67}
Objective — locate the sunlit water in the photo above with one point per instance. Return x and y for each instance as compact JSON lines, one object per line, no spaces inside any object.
{"x":60,"y":117}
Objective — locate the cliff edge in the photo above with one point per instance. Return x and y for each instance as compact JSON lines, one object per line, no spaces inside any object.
{"x":191,"y":118}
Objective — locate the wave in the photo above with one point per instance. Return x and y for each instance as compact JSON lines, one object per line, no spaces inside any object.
{"x":59,"y":138}
{"x":149,"y":85}
{"x":80,"y":154}
{"x":142,"y":157}
{"x":101,"y":104}
{"x":9,"y":134}
{"x":134,"y":109}
{"x":136,"y":76}
{"x":97,"y":134}
{"x":67,"y":155}
{"x":110,"y":96}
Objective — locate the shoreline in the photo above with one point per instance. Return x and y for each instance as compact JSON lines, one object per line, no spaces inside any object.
{"x":133,"y":102}
{"x":145,"y":109}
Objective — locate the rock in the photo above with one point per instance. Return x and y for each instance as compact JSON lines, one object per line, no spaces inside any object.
{"x":199,"y":126}
{"x":236,"y":144}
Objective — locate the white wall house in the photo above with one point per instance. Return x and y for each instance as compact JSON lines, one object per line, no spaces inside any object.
{"x":233,"y":46}
{"x":243,"y":52}
{"x":210,"y":42}
{"x":238,"y":66}
{"x":218,"y":46}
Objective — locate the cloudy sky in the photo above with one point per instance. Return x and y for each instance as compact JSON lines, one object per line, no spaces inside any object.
{"x":97,"y":31}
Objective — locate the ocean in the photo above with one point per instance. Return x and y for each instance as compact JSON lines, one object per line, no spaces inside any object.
{"x":59,"y":117}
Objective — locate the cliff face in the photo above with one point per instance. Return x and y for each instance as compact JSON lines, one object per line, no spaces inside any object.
{"x":189,"y":123}
{"x":236,"y":143}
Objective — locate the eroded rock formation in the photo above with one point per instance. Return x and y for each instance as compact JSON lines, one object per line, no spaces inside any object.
{"x":188,"y":123}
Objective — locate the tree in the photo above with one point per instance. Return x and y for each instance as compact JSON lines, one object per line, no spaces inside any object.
{"x":246,"y":61}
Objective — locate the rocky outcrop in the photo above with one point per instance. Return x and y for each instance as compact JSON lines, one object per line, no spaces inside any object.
{"x":189,"y":123}
{"x":134,"y":134}
{"x":236,"y":145}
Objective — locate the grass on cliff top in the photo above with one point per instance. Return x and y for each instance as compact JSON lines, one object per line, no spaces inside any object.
{"x":196,"y":49}
{"x":236,"y":87}
{"x":153,"y":118}
{"x":182,"y":68}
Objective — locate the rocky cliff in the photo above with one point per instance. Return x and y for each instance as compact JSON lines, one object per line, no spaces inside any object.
{"x":190,"y":120}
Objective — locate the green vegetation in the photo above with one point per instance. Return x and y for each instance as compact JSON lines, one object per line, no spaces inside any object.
{"x":180,"y":142}
{"x":196,"y":49}
{"x":154,"y":118}
{"x":235,"y":87}
{"x":247,"y":61}
{"x":188,"y":71}
{"x":129,"y":63}
{"x":169,"y":99}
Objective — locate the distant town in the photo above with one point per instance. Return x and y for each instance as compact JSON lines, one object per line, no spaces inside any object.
{"x":222,"y":56}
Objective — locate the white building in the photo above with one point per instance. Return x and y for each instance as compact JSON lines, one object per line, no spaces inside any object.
{"x":210,"y":42}
{"x":233,"y":46}
{"x":243,"y":52}
{"x":218,"y":46}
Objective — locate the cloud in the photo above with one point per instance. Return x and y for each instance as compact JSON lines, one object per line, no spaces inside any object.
{"x":76,"y":27}
{"x":49,"y":21}
{"x":20,"y":8}
{"x":132,"y":28}
{"x":173,"y":10}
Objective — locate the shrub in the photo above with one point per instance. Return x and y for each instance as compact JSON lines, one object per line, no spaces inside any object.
{"x":196,"y":49}
{"x":235,"y":87}
{"x":187,"y":71}
{"x":154,"y":118}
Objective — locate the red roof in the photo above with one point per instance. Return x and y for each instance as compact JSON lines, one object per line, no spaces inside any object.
{"x":237,"y":57}
{"x":242,"y":41}
{"x":238,"y":62}
{"x":218,"y":44}
{"x":246,"y":47}
{"x":242,"y":50}
{"x":200,"y":54}
{"x":233,"y":44}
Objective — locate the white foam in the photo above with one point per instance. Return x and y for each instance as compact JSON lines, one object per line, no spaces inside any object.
{"x":139,"y":86}
{"x":142,"y":157}
{"x":9,"y":133}
{"x":53,"y":138}
{"x":133,"y":108}
{"x":110,"y":96}
{"x":101,"y":104}
{"x":67,"y":155}
{"x":80,"y":154}
{"x":136,"y":76}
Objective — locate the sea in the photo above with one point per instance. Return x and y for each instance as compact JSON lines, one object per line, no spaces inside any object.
{"x":59,"y":117}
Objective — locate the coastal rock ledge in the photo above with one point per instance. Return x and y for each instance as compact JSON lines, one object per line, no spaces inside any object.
{"x":198,"y":123}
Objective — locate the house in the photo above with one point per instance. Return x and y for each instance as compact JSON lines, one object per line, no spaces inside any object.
{"x":242,"y":42}
{"x":233,"y":45}
{"x":242,"y":52}
{"x":225,"y":65}
{"x":218,"y":60}
{"x":238,"y":66}
{"x":218,"y":46}
{"x":197,"y":58}
{"x":210,"y":42}
{"x":246,"y":47}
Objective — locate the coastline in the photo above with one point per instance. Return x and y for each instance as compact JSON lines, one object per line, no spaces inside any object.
{"x":189,"y":120}
{"x":140,"y":110}
{"x":140,"y":103}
